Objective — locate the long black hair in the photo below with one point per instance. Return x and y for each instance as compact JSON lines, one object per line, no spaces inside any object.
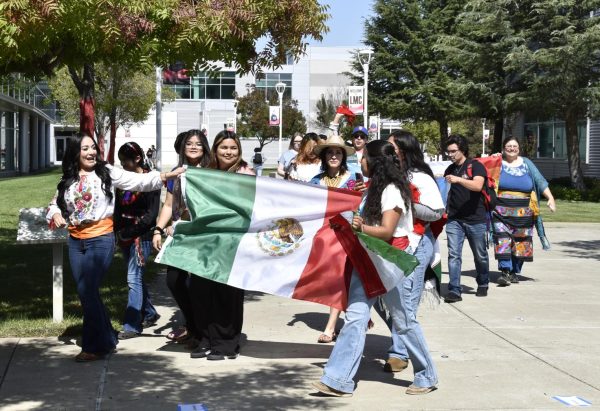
{"x":413,"y":156}
{"x":205,"y":159}
{"x":130,"y":150}
{"x":70,"y":168}
{"x":384,"y":169}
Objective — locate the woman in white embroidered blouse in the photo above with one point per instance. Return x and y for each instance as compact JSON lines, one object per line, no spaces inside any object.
{"x":85,"y":202}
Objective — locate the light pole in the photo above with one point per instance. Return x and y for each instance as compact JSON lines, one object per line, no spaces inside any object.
{"x":364,"y":56}
{"x":483,"y":137}
{"x":280,"y":88}
{"x":235,"y":104}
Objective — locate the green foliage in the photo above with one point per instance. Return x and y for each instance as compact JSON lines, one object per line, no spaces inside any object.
{"x":325,"y":110}
{"x":129,"y":95}
{"x":562,"y":189}
{"x":253,"y":112}
{"x":408,"y":78}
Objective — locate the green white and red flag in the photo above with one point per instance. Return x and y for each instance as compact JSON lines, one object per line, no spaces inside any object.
{"x":277,"y":237}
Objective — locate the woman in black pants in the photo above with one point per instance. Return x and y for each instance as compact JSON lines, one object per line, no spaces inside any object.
{"x":193,"y":150}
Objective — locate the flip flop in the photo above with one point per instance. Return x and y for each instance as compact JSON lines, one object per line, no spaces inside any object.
{"x":326,"y":339}
{"x":177,"y":334}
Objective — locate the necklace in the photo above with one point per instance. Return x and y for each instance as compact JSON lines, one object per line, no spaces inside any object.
{"x":332,"y":182}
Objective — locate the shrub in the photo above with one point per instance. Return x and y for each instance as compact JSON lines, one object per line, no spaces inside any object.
{"x":562,"y":190}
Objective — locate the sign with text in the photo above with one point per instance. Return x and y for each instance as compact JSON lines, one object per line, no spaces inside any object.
{"x":356,"y":101}
{"x":373,"y":124}
{"x":273,"y":115}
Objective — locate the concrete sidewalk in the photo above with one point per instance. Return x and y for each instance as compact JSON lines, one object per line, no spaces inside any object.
{"x":515,"y":349}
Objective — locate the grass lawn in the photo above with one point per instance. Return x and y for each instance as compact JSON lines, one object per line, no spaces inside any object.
{"x":571,"y":212}
{"x":26,"y":270}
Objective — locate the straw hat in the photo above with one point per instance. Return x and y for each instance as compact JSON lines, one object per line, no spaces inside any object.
{"x":334,"y":141}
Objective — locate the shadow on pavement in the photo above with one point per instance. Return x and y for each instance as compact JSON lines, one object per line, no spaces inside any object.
{"x":582,"y":248}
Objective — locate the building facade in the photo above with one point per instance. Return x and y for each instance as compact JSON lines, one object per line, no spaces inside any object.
{"x":26,"y":140}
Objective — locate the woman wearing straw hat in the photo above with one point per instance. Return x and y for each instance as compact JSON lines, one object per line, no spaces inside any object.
{"x":333,"y":154}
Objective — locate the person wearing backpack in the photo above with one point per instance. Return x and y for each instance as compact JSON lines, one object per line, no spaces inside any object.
{"x":258,"y":161}
{"x":467,"y":216}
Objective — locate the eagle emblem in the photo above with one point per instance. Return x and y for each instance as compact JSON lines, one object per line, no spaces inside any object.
{"x":280,"y":238}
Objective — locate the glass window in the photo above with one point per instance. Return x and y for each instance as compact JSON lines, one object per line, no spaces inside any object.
{"x":545,"y":140}
{"x":213,"y":92}
{"x":560,"y":141}
{"x":582,"y":133}
{"x":529,"y":148}
{"x":227,"y":92}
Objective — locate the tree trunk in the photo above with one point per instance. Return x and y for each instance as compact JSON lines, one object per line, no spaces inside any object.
{"x":573,"y":151}
{"x":112,"y":138}
{"x":498,"y":135}
{"x":443,"y":123}
{"x":85,"y":84}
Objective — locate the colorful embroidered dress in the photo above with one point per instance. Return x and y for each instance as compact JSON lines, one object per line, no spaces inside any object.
{"x":513,"y":218}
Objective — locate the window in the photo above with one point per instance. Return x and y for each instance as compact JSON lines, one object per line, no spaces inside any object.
{"x":219,"y":86}
{"x":267,"y":82}
{"x":549,"y":139}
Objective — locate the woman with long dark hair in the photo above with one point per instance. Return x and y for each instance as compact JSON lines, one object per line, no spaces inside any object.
{"x":135,"y":215}
{"x":387,"y":215}
{"x":192,"y":147}
{"x":428,"y":207}
{"x":221,"y":305}
{"x":307,"y":164}
{"x":85,"y":203}
{"x":333,"y":154}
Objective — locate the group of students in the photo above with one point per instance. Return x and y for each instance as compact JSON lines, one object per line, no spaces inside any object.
{"x":100,"y":203}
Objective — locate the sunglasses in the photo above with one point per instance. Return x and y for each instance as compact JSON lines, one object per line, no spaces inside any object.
{"x":360,"y":136}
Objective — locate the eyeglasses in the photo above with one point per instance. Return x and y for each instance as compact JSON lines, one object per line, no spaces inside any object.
{"x":193,"y":145}
{"x":451,"y":152}
{"x":511,"y":146}
{"x":360,"y":136}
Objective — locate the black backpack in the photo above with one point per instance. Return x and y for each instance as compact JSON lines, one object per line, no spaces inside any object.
{"x":257,"y":159}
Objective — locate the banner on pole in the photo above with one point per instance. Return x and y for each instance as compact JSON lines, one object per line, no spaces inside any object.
{"x":373,"y":124}
{"x":356,"y":101}
{"x":273,"y":115}
{"x":486,"y":134}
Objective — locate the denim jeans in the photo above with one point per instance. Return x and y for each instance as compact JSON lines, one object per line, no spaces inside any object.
{"x":90,"y":259}
{"x":347,"y":352}
{"x":514,"y":265}
{"x":139,"y":306}
{"x":476,"y":235}
{"x":411,"y":290}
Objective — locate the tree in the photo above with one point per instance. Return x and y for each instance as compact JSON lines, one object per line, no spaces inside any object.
{"x":122,"y":98}
{"x":558,"y":60}
{"x":39,"y":37}
{"x":325,"y":110}
{"x":408,"y":78}
{"x":253,"y":112}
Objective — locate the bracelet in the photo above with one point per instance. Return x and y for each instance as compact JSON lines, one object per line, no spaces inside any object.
{"x":160,"y":230}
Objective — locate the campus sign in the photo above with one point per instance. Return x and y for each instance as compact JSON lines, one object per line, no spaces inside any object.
{"x":356,"y":102}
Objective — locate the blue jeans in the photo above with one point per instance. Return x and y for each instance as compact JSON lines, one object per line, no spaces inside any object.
{"x":411,"y":290}
{"x":90,"y":260}
{"x":139,"y":306}
{"x":345,"y":358}
{"x":514,"y":265}
{"x":476,"y":234}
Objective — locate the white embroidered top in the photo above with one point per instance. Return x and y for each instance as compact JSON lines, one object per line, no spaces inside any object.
{"x":86,"y":202}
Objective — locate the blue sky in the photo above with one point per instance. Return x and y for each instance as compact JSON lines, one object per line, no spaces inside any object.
{"x":346,"y":24}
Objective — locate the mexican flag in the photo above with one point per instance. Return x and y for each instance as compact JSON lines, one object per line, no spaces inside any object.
{"x":269,"y":235}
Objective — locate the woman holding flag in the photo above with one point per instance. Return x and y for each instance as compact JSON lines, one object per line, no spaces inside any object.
{"x":387,"y":215}
{"x":192,"y":147}
{"x":219,"y":308}
{"x":334,"y":173}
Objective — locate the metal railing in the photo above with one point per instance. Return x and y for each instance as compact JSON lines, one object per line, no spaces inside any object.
{"x":36,"y":94}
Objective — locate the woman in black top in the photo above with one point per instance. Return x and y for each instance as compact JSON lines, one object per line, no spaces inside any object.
{"x":135,"y":214}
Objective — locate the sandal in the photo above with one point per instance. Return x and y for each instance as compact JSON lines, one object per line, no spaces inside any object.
{"x":87,"y":357}
{"x":175,"y":335}
{"x":371,"y":324}
{"x":326,"y":339}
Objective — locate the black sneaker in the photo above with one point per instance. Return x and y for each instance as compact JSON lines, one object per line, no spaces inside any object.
{"x":125,"y":335}
{"x":200,"y":352}
{"x":219,"y":356}
{"x":481,"y":292}
{"x":150,"y":322}
{"x":514,"y":278}
{"x":452,"y":298}
{"x":504,"y":279}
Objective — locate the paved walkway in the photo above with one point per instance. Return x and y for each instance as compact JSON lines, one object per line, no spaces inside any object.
{"x":513,"y":350}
